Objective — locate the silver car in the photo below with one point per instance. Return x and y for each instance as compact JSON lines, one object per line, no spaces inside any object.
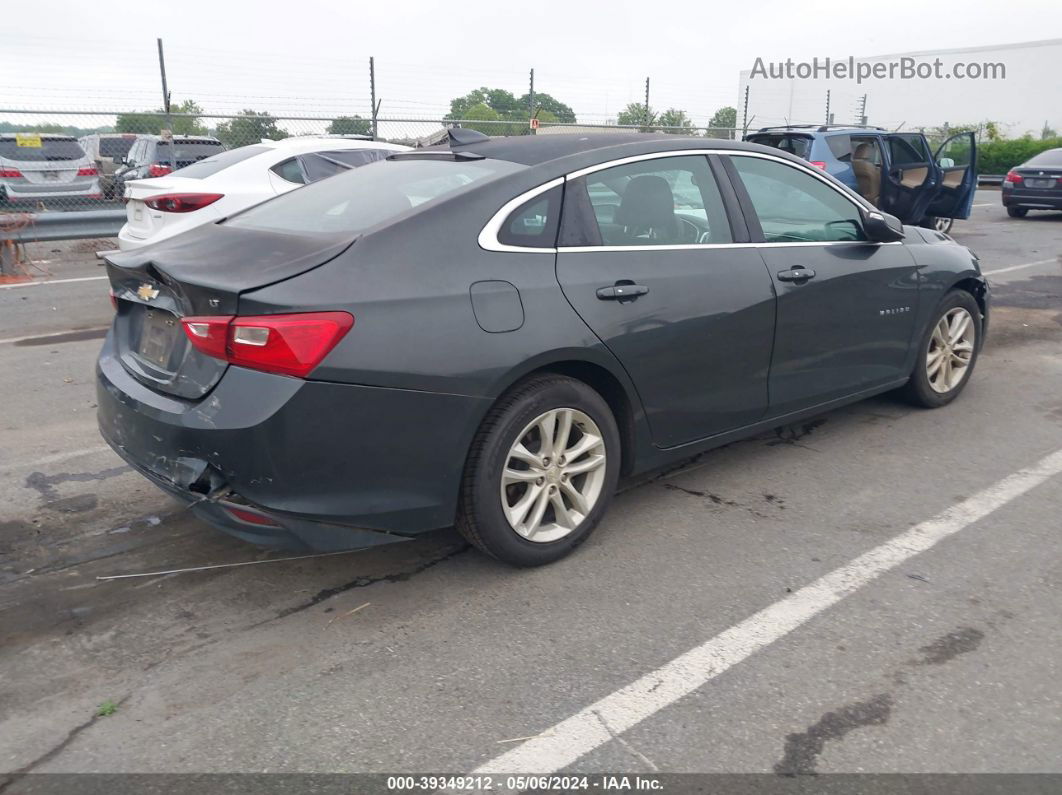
{"x":36,"y":166}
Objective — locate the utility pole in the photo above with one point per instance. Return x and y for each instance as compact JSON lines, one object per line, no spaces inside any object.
{"x":166,"y":105}
{"x":827,"y":106}
{"x":647,"y":119}
{"x":372,"y":96}
{"x":531,"y":101}
{"x":745,"y":114}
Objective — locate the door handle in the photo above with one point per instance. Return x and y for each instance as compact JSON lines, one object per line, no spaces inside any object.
{"x":621,"y":292}
{"x":798,"y":273}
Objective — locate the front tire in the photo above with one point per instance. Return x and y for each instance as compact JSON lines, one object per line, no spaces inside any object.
{"x":948,"y":352}
{"x":939,"y":224}
{"x":1017,"y":212}
{"x":541,"y":472}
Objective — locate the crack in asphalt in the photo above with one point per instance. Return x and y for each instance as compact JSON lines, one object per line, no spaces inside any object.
{"x":55,"y":750}
{"x":364,"y":582}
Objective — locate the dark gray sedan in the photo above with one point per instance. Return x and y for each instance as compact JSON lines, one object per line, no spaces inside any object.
{"x":493,"y":334}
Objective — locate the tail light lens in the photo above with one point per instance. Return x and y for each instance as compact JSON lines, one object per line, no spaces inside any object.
{"x":282,"y":344}
{"x":10,"y":172}
{"x":158,"y":170}
{"x":1013,"y":178}
{"x":818,"y":164}
{"x":182,"y":202}
{"x":88,"y":171}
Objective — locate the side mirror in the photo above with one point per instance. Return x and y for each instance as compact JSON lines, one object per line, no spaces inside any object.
{"x":882,"y":227}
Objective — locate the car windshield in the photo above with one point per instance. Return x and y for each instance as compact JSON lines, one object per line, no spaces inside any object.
{"x":38,"y":147}
{"x":798,"y":145}
{"x":364,"y":197}
{"x":1052,"y":157}
{"x":215,"y":163}
{"x":115,"y":147}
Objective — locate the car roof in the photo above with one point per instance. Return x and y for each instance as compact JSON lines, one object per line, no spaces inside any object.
{"x":44,"y":136}
{"x":314,"y":142}
{"x":179,"y":137}
{"x":535,"y":150}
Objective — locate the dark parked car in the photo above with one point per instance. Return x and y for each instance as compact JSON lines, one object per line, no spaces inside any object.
{"x":492,"y":334}
{"x":1034,"y":185}
{"x":894,"y":171}
{"x":155,"y":156}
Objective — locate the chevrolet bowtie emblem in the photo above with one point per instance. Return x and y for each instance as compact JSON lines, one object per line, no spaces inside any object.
{"x":146,"y":292}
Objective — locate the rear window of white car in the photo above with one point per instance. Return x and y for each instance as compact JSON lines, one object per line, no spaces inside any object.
{"x":215,"y":163}
{"x":365,"y":197}
{"x":115,"y":147}
{"x":26,"y":149}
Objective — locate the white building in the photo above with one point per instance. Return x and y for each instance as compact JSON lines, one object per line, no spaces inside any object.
{"x":1017,"y":85}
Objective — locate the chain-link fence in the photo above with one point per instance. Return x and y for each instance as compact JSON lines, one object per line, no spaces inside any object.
{"x":56,"y":161}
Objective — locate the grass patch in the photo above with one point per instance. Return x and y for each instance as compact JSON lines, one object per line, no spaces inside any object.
{"x":108,"y":707}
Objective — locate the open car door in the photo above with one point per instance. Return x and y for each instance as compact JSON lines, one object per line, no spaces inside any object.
{"x":910,"y":182}
{"x":957,"y":160}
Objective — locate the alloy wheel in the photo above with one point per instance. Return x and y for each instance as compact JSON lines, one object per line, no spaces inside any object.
{"x":951,"y":349}
{"x":553,"y":475}
{"x":943,"y":224}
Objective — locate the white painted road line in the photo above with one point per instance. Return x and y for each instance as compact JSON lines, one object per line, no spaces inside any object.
{"x":41,"y":283}
{"x":562,"y":744}
{"x":1019,"y":267}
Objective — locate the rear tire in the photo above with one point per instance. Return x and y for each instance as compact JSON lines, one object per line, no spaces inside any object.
{"x":947,"y":352}
{"x":1017,"y":212}
{"x":554,"y":492}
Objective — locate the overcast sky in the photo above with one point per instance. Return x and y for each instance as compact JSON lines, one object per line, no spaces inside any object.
{"x":311,"y":56}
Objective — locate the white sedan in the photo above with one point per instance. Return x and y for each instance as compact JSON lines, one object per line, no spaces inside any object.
{"x":226,"y":183}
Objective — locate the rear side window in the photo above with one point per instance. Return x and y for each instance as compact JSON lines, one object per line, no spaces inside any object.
{"x":908,"y":150}
{"x":840,"y":146}
{"x":795,"y":207}
{"x":321,"y":165}
{"x":290,"y":170}
{"x":33,"y":148}
{"x":533,"y":224}
{"x":799,"y":145}
{"x":215,"y":163}
{"x":664,"y":201}
{"x":366,"y":197}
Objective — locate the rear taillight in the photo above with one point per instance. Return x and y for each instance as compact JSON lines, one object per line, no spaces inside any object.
{"x":88,"y":171}
{"x":10,"y":172}
{"x":251,"y":517}
{"x":158,"y":170}
{"x":818,"y":164}
{"x":114,"y":299}
{"x":1013,"y":178}
{"x":283,"y":344}
{"x":182,"y":202}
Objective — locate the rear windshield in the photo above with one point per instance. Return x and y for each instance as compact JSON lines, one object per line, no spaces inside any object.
{"x":1052,"y":157}
{"x":798,"y":145}
{"x":364,"y":197}
{"x":27,"y":148}
{"x":115,"y":147}
{"x":187,"y":151}
{"x":215,"y":163}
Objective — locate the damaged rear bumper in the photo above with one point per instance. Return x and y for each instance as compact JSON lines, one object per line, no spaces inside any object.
{"x":332,"y":466}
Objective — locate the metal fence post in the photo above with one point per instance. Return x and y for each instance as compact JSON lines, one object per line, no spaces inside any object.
{"x":372,"y":96}
{"x":647,"y":119}
{"x":745,"y":114}
{"x":166,"y":105}
{"x":531,"y":102}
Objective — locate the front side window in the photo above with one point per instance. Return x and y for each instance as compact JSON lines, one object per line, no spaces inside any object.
{"x":795,"y":207}
{"x":664,"y":201}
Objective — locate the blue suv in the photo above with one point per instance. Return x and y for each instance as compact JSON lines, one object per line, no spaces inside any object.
{"x":894,"y":171}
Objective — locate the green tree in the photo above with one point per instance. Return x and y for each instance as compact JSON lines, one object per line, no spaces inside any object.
{"x":185,"y":120}
{"x":545,"y":103}
{"x":250,"y":127}
{"x":499,"y":100}
{"x":1047,"y":132}
{"x":674,"y":119}
{"x":722,"y":123}
{"x":635,"y":113}
{"x":350,"y":125}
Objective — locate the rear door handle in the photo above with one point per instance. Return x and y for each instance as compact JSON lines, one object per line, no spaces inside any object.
{"x":798,"y":273}
{"x":621,"y":292}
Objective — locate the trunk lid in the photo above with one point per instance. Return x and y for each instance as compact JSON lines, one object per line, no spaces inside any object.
{"x":141,"y":221}
{"x":202,"y":272}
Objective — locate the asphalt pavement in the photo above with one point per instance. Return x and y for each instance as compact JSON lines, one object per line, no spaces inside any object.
{"x":875,"y":590}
